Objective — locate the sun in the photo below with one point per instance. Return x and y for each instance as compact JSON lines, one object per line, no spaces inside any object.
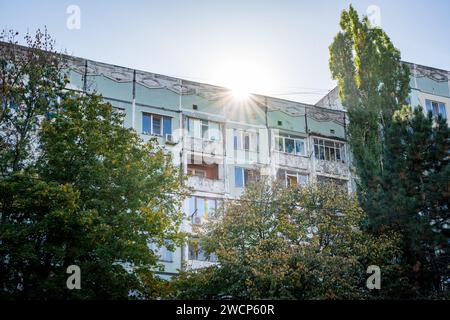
{"x":243,"y":77}
{"x":240,"y":93}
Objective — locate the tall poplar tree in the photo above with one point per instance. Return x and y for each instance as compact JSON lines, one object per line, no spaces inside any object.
{"x":373,"y":84}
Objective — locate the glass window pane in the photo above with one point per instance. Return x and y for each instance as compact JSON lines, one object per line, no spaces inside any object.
{"x":156,"y":125}
{"x":191,"y":127}
{"x":238,"y":177}
{"x":428,"y":106}
{"x":167,"y":125}
{"x":442,"y":111}
{"x":289,"y":143}
{"x":146,"y":118}
{"x":322,"y":153}
{"x":211,"y":207}
{"x":299,"y":147}
{"x":279,"y":143}
{"x":204,"y":129}
{"x":200,"y":207}
{"x":246,"y":142}
{"x":191,"y":206}
{"x":303,"y":179}
{"x":291,"y":180}
{"x":332,"y":155}
{"x":213,"y":131}
{"x":237,"y":140}
{"x":197,"y":129}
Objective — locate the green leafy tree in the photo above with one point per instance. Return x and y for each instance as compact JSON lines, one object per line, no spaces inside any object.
{"x":373,"y":84}
{"x":296,"y":243}
{"x":414,"y":194}
{"x":77,"y":188}
{"x":401,"y":161}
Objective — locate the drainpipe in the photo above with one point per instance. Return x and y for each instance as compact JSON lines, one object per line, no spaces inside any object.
{"x":85,"y":76}
{"x":133,"y":105}
{"x":182,"y":156}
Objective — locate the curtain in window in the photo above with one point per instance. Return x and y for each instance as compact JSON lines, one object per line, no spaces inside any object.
{"x":237,"y":140}
{"x":167,"y":125}
{"x":442,"y":110}
{"x":429,"y":106}
{"x":299,"y":146}
{"x":146,"y":126}
{"x":156,"y":125}
{"x":238,"y":177}
{"x":213,"y":131}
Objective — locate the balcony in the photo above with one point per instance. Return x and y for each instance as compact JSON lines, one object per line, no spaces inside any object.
{"x":290,"y":160}
{"x":335,"y":168}
{"x":212,"y":147}
{"x":206,"y":185}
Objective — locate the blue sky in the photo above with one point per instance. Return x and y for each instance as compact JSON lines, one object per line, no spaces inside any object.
{"x":278,"y":48}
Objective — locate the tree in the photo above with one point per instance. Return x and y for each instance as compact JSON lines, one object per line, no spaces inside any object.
{"x":400,"y":159}
{"x":290,"y":243}
{"x":77,"y":188}
{"x":414,"y":194}
{"x":373,"y":84}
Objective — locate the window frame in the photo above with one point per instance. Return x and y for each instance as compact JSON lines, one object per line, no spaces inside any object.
{"x":205,"y":211}
{"x":323,"y":150}
{"x":434,"y":107}
{"x":243,"y":137}
{"x":283,"y":138}
{"x":245,"y":172}
{"x":297,"y":175}
{"x":202,"y":127}
{"x":162,"y":127}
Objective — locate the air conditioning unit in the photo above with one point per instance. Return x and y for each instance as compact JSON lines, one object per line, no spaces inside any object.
{"x":170,"y":139}
{"x":197,"y":220}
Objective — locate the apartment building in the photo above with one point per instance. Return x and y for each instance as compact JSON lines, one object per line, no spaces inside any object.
{"x":430,"y":89}
{"x":223,"y":143}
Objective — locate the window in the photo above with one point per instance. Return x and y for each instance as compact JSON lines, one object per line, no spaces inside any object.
{"x":338,"y":182}
{"x":156,"y":125}
{"x":208,"y":171}
{"x":163,"y":253}
{"x":197,"y":172}
{"x":292,"y":178}
{"x":436,"y":108}
{"x":244,"y":140}
{"x":290,"y":145}
{"x":329,"y":150}
{"x":200,"y":208}
{"x":203,"y":129}
{"x":243,"y":177}
{"x":195,"y":252}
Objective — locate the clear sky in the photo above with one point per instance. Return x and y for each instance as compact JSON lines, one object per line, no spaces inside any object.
{"x":278,"y":48}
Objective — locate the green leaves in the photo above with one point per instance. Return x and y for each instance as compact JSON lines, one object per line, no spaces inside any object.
{"x":400,"y":156}
{"x":373,"y":84}
{"x":76,"y":187}
{"x":289,"y":243}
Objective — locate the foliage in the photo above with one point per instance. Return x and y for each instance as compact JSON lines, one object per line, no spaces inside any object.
{"x":76,"y":188}
{"x":414,"y":194}
{"x":290,"y":243}
{"x":373,"y":84}
{"x":400,"y":156}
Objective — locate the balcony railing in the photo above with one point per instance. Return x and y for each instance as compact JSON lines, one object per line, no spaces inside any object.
{"x":332,"y":167}
{"x":204,"y":146}
{"x":290,"y":160}
{"x":207,"y":185}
